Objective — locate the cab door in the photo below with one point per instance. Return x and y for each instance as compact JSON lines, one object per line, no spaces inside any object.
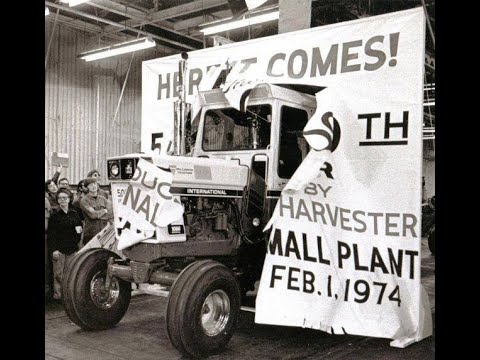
{"x":289,"y":147}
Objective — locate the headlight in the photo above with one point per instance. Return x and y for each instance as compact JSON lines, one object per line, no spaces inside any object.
{"x":122,"y":169}
{"x":128,"y":168}
{"x":113,"y":169}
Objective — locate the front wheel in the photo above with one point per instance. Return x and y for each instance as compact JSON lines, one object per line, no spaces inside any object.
{"x":90,"y":305}
{"x":203,"y":307}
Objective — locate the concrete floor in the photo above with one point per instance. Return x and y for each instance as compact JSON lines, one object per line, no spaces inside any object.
{"x":141,"y":336}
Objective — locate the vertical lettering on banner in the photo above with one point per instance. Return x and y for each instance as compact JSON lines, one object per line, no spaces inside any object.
{"x":147,"y":204}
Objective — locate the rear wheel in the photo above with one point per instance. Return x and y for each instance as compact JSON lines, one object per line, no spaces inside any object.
{"x":203,"y":308}
{"x":68,"y":286}
{"x":89,"y":304}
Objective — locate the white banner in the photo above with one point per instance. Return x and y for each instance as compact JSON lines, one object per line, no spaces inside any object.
{"x":238,"y":85}
{"x":147,"y":205}
{"x":357,"y":54}
{"x":344,"y":251}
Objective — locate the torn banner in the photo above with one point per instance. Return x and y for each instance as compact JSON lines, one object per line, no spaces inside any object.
{"x":240,"y":82}
{"x":104,"y":239}
{"x":147,"y":204}
{"x":344,"y":250}
{"x":362,"y":213}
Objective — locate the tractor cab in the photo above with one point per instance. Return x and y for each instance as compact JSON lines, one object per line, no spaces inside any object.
{"x":269,"y":131}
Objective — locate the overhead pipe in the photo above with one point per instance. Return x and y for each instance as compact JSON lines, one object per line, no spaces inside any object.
{"x":123,"y":88}
{"x":50,"y":40}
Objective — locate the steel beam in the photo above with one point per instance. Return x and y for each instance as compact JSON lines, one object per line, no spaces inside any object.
{"x":198,"y":20}
{"x":122,"y":26}
{"x":120,"y":9}
{"x":137,"y":17}
{"x":75,"y":23}
{"x":179,"y":10}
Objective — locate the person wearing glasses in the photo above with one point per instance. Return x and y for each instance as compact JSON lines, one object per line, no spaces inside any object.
{"x":64,"y":232}
{"x":64,"y":183}
{"x":96,"y":175}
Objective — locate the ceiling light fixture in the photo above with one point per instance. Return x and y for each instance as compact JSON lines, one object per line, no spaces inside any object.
{"x":74,"y":2}
{"x":230,"y":24}
{"x":46,"y":11}
{"x":118,"y":49}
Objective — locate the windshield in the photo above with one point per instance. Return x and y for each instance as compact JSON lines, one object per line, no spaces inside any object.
{"x":230,"y":129}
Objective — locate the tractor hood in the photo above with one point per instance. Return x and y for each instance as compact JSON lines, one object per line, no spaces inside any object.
{"x":195,"y":176}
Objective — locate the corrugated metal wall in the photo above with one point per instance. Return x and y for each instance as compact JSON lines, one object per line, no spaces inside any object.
{"x":80,"y":103}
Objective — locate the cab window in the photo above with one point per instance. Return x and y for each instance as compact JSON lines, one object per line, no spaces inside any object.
{"x":230,"y":129}
{"x":293,"y":146}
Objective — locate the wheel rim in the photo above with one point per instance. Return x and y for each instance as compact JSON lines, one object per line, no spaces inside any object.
{"x":215,"y":312}
{"x":101,"y":297}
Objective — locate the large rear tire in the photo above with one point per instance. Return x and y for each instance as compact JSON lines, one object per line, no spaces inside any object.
{"x":68,"y":286}
{"x":86,"y":301}
{"x":203,"y":308}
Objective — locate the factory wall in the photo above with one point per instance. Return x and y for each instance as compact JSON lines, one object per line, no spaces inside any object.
{"x":80,"y":102}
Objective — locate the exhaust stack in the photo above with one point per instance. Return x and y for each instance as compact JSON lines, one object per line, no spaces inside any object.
{"x":181,"y":110}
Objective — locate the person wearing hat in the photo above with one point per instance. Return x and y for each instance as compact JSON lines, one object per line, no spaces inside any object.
{"x":96,"y":175}
{"x":97,"y":209}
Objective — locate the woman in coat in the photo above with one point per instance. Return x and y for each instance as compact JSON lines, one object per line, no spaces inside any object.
{"x":64,"y":231}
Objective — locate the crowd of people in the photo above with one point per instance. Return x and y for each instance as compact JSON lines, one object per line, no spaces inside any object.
{"x":72,"y":219}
